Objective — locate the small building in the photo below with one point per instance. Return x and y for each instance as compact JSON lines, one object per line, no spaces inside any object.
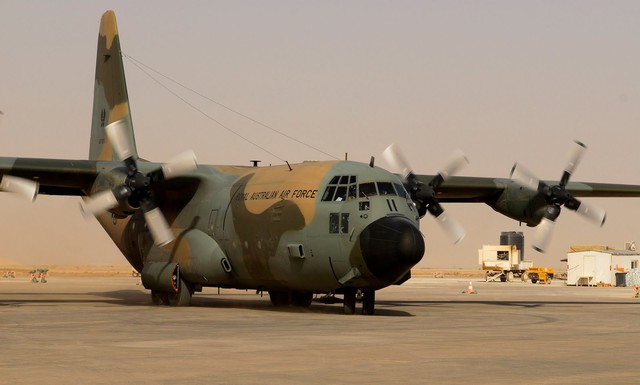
{"x":592,"y":267}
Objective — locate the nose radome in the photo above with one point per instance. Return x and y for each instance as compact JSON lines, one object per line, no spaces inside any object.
{"x":390,"y":246}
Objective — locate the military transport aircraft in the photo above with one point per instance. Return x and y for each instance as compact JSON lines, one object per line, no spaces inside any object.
{"x":291,"y":230}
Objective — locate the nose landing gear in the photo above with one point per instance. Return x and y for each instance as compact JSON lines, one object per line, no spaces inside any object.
{"x":368,"y":298}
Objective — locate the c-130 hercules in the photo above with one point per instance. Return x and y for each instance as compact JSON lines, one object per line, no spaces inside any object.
{"x":292,"y":230}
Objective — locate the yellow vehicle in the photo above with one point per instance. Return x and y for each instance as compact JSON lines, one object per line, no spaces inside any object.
{"x":540,"y":274}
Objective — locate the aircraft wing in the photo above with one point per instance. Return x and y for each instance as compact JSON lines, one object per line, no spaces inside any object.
{"x":55,"y":176}
{"x":483,"y":189}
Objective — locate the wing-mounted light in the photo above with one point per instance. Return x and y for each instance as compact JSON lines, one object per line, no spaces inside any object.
{"x":557,"y":196}
{"x":424,"y":195}
{"x":25,"y":188}
{"x":137,"y":186}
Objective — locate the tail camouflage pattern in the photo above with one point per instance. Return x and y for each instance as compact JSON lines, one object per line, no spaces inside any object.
{"x":110,"y":99}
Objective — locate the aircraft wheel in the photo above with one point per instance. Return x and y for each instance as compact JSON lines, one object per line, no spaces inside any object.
{"x":349,"y":300}
{"x":159,"y":298}
{"x":279,"y":298}
{"x":183,"y":296}
{"x":368,"y":302}
{"x":301,"y":299}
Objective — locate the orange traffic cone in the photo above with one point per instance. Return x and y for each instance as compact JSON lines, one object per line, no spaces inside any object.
{"x":470,"y":289}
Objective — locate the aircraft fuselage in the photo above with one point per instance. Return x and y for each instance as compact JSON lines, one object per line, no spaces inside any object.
{"x":317,"y":227}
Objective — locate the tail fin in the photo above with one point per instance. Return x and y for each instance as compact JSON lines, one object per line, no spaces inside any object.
{"x":110,"y":99}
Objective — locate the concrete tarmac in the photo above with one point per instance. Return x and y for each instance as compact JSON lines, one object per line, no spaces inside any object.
{"x":105,"y":331}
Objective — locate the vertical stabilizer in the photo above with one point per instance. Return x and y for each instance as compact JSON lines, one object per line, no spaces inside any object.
{"x":110,"y":99}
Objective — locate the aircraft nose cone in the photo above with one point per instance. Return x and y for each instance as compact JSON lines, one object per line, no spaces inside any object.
{"x":390,"y":247}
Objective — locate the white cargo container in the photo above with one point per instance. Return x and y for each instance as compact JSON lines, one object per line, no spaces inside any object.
{"x":591,"y":267}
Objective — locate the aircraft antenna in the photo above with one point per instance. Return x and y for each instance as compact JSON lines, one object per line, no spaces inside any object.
{"x":139,"y":64}
{"x":202,"y":112}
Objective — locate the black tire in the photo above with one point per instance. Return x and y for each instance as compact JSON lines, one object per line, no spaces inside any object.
{"x":183,"y":296}
{"x":349,"y":300}
{"x":534,"y":280}
{"x":368,"y":302}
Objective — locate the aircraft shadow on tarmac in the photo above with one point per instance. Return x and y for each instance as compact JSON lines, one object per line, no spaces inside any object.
{"x":388,"y":308}
{"x":213,"y":301}
{"x":524,"y":304}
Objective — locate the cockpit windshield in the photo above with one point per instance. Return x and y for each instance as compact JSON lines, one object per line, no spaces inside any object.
{"x":367,"y":190}
{"x":341,"y":188}
{"x":345,"y":187}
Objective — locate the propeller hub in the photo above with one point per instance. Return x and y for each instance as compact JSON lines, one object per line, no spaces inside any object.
{"x":559,"y":195}
{"x":552,"y":212}
{"x":138,"y":181}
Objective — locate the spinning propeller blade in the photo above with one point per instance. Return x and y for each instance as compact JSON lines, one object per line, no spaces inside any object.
{"x":26,"y":188}
{"x":137,"y":186}
{"x":557,"y":196}
{"x":117,"y":134}
{"x":423,"y":195}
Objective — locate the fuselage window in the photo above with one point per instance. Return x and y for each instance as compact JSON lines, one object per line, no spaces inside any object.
{"x":338,"y":223}
{"x":334,"y":223}
{"x":344,"y":223}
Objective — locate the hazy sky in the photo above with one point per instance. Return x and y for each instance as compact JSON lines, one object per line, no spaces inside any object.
{"x":504,"y":81}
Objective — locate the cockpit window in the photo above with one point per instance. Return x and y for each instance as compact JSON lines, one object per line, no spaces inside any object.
{"x":341,"y":188}
{"x":341,"y":194}
{"x":328,"y":193}
{"x":367,"y":190}
{"x":353,"y":191}
{"x":386,"y":188}
{"x":400,"y":190}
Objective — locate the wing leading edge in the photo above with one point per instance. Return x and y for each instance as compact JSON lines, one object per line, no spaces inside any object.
{"x":483,"y":189}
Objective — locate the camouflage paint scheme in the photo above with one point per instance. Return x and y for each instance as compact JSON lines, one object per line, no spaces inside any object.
{"x":266,"y":228}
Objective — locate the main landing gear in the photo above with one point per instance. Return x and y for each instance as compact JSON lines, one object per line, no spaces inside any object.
{"x":182,"y":297}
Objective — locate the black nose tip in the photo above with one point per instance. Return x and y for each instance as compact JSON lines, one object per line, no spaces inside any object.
{"x":390,"y":247}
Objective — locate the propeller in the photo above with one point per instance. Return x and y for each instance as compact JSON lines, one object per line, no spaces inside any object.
{"x":137,"y":186}
{"x":556,"y":197}
{"x":424,"y":195}
{"x":26,"y":188}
